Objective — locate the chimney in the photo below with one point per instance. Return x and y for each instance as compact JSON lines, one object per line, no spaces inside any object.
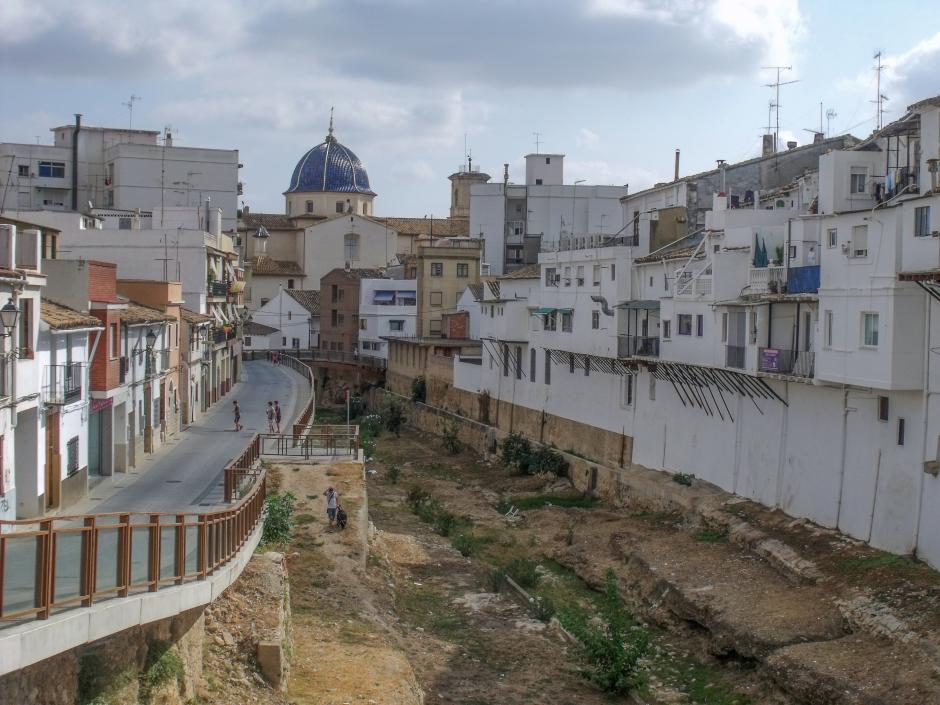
{"x":818,"y":137}
{"x":676,"y":177}
{"x":791,"y":144}
{"x":245,"y":211}
{"x":767,"y":147}
{"x":721,"y":170}
{"x":505,"y":174}
{"x":168,"y":141}
{"x":78,"y":127}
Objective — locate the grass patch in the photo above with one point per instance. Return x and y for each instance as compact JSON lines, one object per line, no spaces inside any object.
{"x":683,"y":478}
{"x":426,"y":608}
{"x":862,"y":565}
{"x":468,"y":543}
{"x":581,"y":501}
{"x":701,"y":684}
{"x":164,"y":664}
{"x":711,"y":536}
{"x":524,"y":571}
{"x":326,"y":415}
{"x":659,"y":519}
{"x":304,"y":519}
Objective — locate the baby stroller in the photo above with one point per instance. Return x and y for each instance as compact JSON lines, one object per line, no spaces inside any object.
{"x":341,"y":518}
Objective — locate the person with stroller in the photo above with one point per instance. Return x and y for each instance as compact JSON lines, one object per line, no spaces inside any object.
{"x":332,"y":504}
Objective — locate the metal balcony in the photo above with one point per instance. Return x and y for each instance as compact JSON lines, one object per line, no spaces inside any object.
{"x":630,"y":345}
{"x":795,"y":363}
{"x":63,"y":384}
{"x":734,"y":356}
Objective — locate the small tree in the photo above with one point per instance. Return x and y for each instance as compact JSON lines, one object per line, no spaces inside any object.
{"x":449,"y":434}
{"x":517,"y":451}
{"x":419,"y":389}
{"x":394,"y":418}
{"x":278,"y":517}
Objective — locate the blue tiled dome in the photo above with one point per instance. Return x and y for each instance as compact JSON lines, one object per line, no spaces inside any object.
{"x":330,"y":167}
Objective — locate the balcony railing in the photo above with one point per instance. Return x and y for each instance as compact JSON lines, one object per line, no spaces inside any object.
{"x":803,"y":280}
{"x":796,"y":363}
{"x":360,"y":358}
{"x":686,"y":287}
{"x":63,"y":383}
{"x":124,"y":365}
{"x":734,"y":356}
{"x":630,"y":345}
{"x":219,"y":289}
{"x":767,"y":280}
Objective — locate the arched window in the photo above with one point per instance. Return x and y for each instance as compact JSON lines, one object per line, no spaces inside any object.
{"x":310,"y":206}
{"x":351,"y":247}
{"x":365,"y":208}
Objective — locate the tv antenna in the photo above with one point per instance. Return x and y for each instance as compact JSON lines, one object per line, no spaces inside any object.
{"x":129,"y":104}
{"x":775,"y":105}
{"x":880,"y":97}
{"x":820,"y":131}
{"x":830,"y":114}
{"x":537,"y":141}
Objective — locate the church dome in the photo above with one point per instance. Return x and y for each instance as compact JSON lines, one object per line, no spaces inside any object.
{"x":330,"y":167}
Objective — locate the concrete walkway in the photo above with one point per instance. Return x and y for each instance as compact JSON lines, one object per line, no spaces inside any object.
{"x":186,"y":473}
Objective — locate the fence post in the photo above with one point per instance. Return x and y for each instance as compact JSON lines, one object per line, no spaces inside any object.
{"x":180,"y":548}
{"x":153,"y":552}
{"x":89,"y":561}
{"x":45,"y":562}
{"x":202,"y":550}
{"x":124,"y":555}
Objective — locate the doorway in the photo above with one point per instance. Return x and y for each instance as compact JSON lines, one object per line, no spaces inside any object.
{"x":53,"y":461}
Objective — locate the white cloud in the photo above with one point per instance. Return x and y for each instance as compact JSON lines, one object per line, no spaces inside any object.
{"x":587,"y":139}
{"x":601,"y":172}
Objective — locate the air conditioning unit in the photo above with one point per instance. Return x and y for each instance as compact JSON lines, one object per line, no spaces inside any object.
{"x":654,"y":215}
{"x":860,"y":253}
{"x":567,"y":281}
{"x":845,"y":247}
{"x":580,"y":281}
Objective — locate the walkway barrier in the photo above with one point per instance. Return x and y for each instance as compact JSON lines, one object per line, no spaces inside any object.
{"x":318,"y":441}
{"x":48,"y":564}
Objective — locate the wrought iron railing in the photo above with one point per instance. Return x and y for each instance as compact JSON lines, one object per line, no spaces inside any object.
{"x":630,"y":345}
{"x":796,"y":363}
{"x":63,"y":383}
{"x":735,"y":356}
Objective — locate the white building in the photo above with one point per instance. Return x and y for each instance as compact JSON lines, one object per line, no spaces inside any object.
{"x":516,"y":221}
{"x":117,"y":168}
{"x":387,"y":308}
{"x":289,"y":321}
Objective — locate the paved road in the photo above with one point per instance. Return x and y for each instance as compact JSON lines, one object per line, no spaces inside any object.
{"x":186,"y":474}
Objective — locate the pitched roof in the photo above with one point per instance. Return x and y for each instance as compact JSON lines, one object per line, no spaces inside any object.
{"x":262,"y":264}
{"x":353,"y":274}
{"x":681,"y":253}
{"x":59,"y":317}
{"x":271,"y":221}
{"x":530,"y":271}
{"x":255,"y":328}
{"x":308,"y":298}
{"x":194,"y":318}
{"x":476,"y":290}
{"x":439,"y":227}
{"x":135,"y":313}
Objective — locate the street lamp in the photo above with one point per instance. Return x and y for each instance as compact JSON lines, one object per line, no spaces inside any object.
{"x":151,"y":339}
{"x":8,"y":315}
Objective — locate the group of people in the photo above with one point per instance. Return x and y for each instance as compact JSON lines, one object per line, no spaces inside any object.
{"x":273,"y":413}
{"x":275,"y":357}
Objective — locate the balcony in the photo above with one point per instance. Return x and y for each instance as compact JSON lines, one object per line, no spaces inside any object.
{"x":63,"y":384}
{"x":122,"y":372}
{"x":631,"y":345}
{"x":734,"y":356}
{"x":156,"y":361}
{"x":795,"y":363}
{"x":217,"y":289}
{"x":767,"y":280}
{"x":689,"y":288}
{"x":803,"y":280}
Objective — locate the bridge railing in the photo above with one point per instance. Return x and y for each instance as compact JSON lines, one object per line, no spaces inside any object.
{"x":55,"y":563}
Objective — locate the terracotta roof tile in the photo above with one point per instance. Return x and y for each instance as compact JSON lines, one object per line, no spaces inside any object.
{"x":271,"y":221}
{"x":439,"y":227}
{"x":194,"y":318}
{"x":681,"y":253}
{"x":308,"y":298}
{"x":530,"y":271}
{"x":135,"y":313}
{"x":353,"y":274}
{"x":59,"y":317}
{"x":255,"y":328}
{"x":262,"y":264}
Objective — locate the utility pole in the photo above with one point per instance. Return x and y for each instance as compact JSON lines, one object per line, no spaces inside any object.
{"x":776,"y":104}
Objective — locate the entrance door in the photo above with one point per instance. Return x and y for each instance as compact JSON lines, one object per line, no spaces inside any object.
{"x":94,"y":444}
{"x":807,"y":331}
{"x":131,"y":440}
{"x":53,"y":461}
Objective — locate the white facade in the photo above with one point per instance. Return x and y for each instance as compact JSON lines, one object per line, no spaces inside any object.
{"x":387,"y":308}
{"x":295,"y":326}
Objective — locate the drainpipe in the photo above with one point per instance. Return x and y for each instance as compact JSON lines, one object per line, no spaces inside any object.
{"x":845,"y":424}
{"x":78,"y":127}
{"x":926,"y":410}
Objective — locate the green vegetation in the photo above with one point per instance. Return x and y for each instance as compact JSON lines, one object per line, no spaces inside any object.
{"x":394,"y":415}
{"x":887,"y":561}
{"x":450,"y":437}
{"x":419,"y":389}
{"x":710,"y":536}
{"x":98,"y":684}
{"x":164,"y":664}
{"x":468,"y":543}
{"x":304,"y":519}
{"x":519,"y":453}
{"x":541,"y":501}
{"x":524,"y":571}
{"x":393,"y":473}
{"x":329,"y":415}
{"x":683,"y":478}
{"x":516,"y":451}
{"x":612,"y":649}
{"x":278,"y":517}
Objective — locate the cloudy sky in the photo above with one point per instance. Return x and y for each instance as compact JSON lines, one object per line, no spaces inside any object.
{"x":616,"y":85}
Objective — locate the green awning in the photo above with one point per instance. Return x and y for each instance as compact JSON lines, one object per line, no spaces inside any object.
{"x":543,"y":311}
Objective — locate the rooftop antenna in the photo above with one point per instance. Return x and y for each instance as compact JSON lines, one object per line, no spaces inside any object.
{"x":830,"y":114}
{"x":537,"y":141}
{"x":130,"y":110}
{"x":776,"y":104}
{"x":879,"y":97}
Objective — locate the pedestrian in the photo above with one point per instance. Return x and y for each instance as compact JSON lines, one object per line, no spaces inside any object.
{"x":332,"y":500}
{"x":277,"y":416}
{"x":270,"y":414}
{"x":237,"y":410}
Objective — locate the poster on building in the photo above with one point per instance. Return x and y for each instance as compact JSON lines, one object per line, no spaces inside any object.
{"x":770,"y":360}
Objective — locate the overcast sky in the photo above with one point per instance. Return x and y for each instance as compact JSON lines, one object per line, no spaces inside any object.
{"x":616,"y":85}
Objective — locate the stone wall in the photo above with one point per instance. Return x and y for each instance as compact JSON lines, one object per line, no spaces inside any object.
{"x":157,"y":663}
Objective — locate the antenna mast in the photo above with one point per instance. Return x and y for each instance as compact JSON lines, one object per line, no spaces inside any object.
{"x":776,"y":103}
{"x":880,"y":98}
{"x":537,"y":142}
{"x":830,"y":114}
{"x":130,"y":110}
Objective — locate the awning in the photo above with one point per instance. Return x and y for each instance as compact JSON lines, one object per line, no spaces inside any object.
{"x":219,"y":317}
{"x":406,"y":294}
{"x":236,"y":287}
{"x":544,"y":310}
{"x":647,"y":305}
{"x":381,"y":297}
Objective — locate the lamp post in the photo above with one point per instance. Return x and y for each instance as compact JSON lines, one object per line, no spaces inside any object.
{"x":8,"y":317}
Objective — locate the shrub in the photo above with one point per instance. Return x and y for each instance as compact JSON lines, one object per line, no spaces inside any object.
{"x":683,"y":478}
{"x":544,"y":608}
{"x":449,"y":435}
{"x":611,"y":650}
{"x":545,"y":459}
{"x":368,"y":445}
{"x":419,"y":389}
{"x":431,"y":511}
{"x":523,"y":571}
{"x":393,"y":473}
{"x":394,"y":417}
{"x":356,"y":406}
{"x":466,"y":543}
{"x":496,"y":577}
{"x":163,"y":665}
{"x":415,"y":497}
{"x":371,"y":424}
{"x":278,"y":517}
{"x":516,"y":451}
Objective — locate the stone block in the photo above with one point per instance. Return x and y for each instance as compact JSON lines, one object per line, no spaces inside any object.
{"x":270,"y":658}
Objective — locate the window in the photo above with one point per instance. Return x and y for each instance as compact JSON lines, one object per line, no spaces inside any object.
{"x":548,"y":367}
{"x":596,"y":275}
{"x":71,"y":455}
{"x":25,"y":329}
{"x":860,"y":241}
{"x":827,"y":328}
{"x":435,"y":326}
{"x":884,"y":407}
{"x":340,"y":207}
{"x":290,"y":283}
{"x":551,"y":279}
{"x":752,"y":330}
{"x":613,"y":272}
{"x":567,"y":276}
{"x":900,"y":432}
{"x":832,"y":237}
{"x":548,"y":160}
{"x":341,"y":319}
{"x":538,"y":182}
{"x":334,"y":317}
{"x":283,"y":341}
{"x":396,"y":325}
{"x":532,"y":364}
{"x":437,"y":269}
{"x":792,"y":252}
{"x":724,"y":328}
{"x":54,"y":170}
{"x":685,"y":323}
{"x":870,"y":330}
{"x":699,"y":325}
{"x":667,"y":329}
{"x":595,"y":320}
{"x":463,"y":270}
{"x":341,"y":293}
{"x":295,"y":342}
{"x":289,"y":315}
{"x":363,"y":324}
{"x":437,"y":298}
{"x":115,"y":340}
{"x":247,"y":340}
{"x":518,"y":362}
{"x":580,"y":271}
{"x":626,"y":385}
{"x":567,"y":319}
{"x":124,"y":223}
{"x":351,"y":247}
{"x":310,"y":206}
{"x":334,"y":293}
{"x":857,"y":180}
{"x":587,"y":365}
{"x":22,"y":170}
{"x":652,"y":388}
{"x":550,"y":320}
{"x":636,"y":224}
{"x":921,"y":225}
